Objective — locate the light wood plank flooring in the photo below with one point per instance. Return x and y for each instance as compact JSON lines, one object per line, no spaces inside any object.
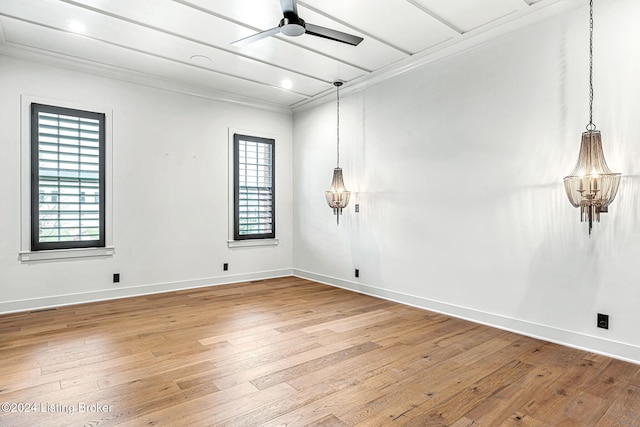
{"x":290,"y":352}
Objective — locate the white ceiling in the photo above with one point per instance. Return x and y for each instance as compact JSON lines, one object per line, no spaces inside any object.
{"x":185,"y":44}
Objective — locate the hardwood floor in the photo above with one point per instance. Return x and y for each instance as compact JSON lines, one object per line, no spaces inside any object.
{"x":290,"y":352}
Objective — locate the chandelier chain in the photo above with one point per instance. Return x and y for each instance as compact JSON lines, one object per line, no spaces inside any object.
{"x":338,"y":126}
{"x":591,"y":125}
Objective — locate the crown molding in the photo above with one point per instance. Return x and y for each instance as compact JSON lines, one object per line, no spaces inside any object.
{"x":130,"y":76}
{"x":456,"y":45}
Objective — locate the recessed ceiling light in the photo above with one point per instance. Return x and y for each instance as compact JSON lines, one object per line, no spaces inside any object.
{"x":286,"y":84}
{"x":77,"y":27}
{"x":201,"y":60}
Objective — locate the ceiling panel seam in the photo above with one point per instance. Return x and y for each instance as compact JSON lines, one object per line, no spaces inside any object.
{"x":435,"y":16}
{"x":16,"y":50}
{"x":535,"y":12}
{"x":118,"y":44}
{"x":234,"y":76}
{"x":356,"y":29}
{"x":493,"y":20}
{"x":190,"y":39}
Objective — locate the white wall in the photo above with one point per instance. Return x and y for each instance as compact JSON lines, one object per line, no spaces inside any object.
{"x":170,"y":185}
{"x":458,"y":168}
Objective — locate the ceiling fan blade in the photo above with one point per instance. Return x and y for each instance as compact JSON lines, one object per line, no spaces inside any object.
{"x":328,"y":33}
{"x":255,"y":37}
{"x":290,"y":6}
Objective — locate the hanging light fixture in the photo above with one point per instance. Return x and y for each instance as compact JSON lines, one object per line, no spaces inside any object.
{"x":591,"y":186}
{"x":337,"y":195}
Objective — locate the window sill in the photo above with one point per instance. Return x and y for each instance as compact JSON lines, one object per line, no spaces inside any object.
{"x":62,"y":254}
{"x":252,"y":243}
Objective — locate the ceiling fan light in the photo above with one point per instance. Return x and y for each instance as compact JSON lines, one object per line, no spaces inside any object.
{"x":292,"y":29}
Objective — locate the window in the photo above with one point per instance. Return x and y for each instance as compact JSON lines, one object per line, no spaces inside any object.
{"x":254,"y":192}
{"x":67,"y":178}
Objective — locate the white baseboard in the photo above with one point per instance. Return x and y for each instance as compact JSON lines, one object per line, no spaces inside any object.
{"x":43,"y":303}
{"x":615,"y":349}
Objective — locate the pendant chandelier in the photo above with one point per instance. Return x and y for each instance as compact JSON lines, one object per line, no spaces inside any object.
{"x":591,"y":186}
{"x":337,"y":195}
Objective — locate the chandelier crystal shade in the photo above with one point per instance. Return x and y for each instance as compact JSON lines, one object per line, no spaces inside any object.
{"x":337,"y":195}
{"x":591,"y":186}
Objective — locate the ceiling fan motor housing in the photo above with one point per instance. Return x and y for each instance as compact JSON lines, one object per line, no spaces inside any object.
{"x":292,"y":25}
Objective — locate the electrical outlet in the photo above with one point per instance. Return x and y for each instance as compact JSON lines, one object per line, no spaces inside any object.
{"x":225,"y":266}
{"x":116,"y":277}
{"x":357,"y":207}
{"x":357,"y":273}
{"x":603,"y":321}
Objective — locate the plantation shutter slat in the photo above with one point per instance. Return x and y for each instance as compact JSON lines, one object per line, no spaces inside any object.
{"x":68,"y":178}
{"x":254,"y":188}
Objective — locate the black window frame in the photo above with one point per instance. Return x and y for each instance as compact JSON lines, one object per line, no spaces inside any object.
{"x":236,"y":187}
{"x":36,"y":244}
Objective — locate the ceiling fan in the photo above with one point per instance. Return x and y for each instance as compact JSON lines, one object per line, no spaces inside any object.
{"x":292,"y":25}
